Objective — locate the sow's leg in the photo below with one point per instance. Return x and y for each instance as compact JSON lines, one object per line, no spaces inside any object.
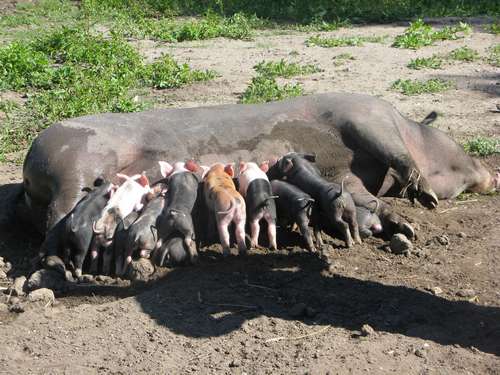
{"x":389,"y":149}
{"x":391,"y":222}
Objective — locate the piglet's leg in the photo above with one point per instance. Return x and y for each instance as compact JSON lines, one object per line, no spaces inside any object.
{"x":271,"y":231}
{"x":303,"y":223}
{"x":106,"y":260}
{"x":240,"y":237}
{"x":222,"y":227}
{"x":340,"y":224}
{"x":254,"y":230}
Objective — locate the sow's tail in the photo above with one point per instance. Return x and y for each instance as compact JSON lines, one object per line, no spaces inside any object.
{"x":14,"y":206}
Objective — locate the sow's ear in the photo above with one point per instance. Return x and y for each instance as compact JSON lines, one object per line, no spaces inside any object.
{"x":430,"y":118}
{"x":229,"y":169}
{"x":165,"y":168}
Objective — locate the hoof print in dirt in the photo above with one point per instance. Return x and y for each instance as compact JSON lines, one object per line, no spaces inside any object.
{"x":140,"y":270}
{"x":42,"y":295}
{"x":46,"y":279}
{"x":400,"y":244}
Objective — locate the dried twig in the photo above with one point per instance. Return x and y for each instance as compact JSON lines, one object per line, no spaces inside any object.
{"x":448,"y":209}
{"x":467,"y":201}
{"x":260,"y":287}
{"x":281,"y":338}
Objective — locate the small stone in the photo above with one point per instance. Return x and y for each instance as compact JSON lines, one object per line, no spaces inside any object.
{"x":436,"y":290}
{"x":400,"y":244}
{"x":7,"y":266}
{"x":17,"y":308}
{"x":43,"y":294}
{"x":462,"y":234}
{"x":19,"y":286}
{"x":104,"y":279}
{"x":3,"y":307}
{"x":443,"y":240}
{"x":235,"y":363}
{"x":420,"y":353}
{"x":466,"y":293}
{"x":297,"y":310}
{"x":46,"y":279}
{"x":310,"y":312}
{"x":3,"y":275}
{"x":367,"y":330}
{"x":14,"y":300}
{"x":2,"y":262}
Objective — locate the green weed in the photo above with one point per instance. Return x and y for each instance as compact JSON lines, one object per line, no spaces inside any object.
{"x":433,"y":62}
{"x":494,"y":56}
{"x":72,"y":72}
{"x":167,"y":73}
{"x":415,"y":87}
{"x":354,"y":41}
{"x":264,"y":89}
{"x":464,"y":54}
{"x":482,"y":146}
{"x":284,"y":69}
{"x":342,"y":58}
{"x":420,"y":34}
{"x":494,"y":28}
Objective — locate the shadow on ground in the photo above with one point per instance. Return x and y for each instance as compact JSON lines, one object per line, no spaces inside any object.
{"x":190,"y":301}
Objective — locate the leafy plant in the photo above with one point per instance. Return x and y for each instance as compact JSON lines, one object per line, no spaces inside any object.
{"x":433,"y":62}
{"x":284,"y":69}
{"x":482,"y":146}
{"x":355,"y":41}
{"x":167,"y":73}
{"x":415,"y":87}
{"x":494,"y":28}
{"x":264,"y":89}
{"x":464,"y":54}
{"x":419,"y":34}
{"x":342,"y":58}
{"x":494,"y":57}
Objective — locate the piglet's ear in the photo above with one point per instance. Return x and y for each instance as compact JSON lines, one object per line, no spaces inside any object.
{"x":243,"y":166}
{"x":165,"y":168}
{"x":191,"y":166}
{"x":264,"y":166}
{"x":143,"y":180}
{"x":288,"y":165}
{"x":229,"y":169}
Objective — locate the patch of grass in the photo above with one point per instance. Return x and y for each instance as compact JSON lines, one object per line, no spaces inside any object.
{"x":354,"y":41}
{"x":22,"y":66}
{"x":342,"y":58}
{"x":284,"y":69}
{"x":482,"y":146}
{"x":433,"y":62}
{"x":36,"y":13}
{"x":73,"y":72}
{"x":265,"y":89}
{"x":419,"y":34}
{"x":238,"y":26}
{"x":494,"y":56}
{"x":415,"y":87}
{"x":494,"y":28}
{"x":464,"y":54}
{"x":166,"y":73}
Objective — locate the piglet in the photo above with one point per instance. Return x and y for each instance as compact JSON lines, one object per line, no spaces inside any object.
{"x":226,"y":204}
{"x":294,"y":206}
{"x":142,"y":235}
{"x":368,"y":221}
{"x":127,"y":198}
{"x":173,"y":252}
{"x":177,"y":215}
{"x":73,"y":234}
{"x":120,"y":240}
{"x":254,"y":186}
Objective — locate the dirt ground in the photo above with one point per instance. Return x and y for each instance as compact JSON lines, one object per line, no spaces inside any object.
{"x":435,"y":311}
